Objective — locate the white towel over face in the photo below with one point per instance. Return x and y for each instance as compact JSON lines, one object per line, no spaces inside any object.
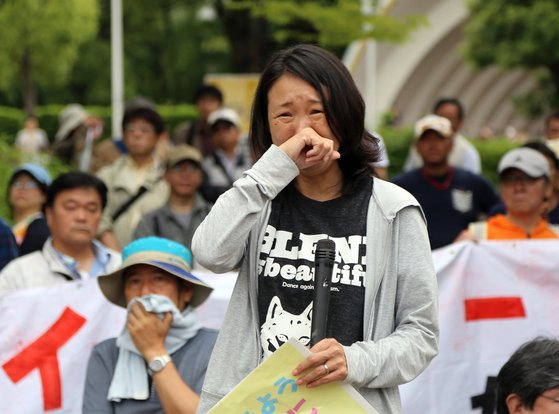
{"x":130,"y":379}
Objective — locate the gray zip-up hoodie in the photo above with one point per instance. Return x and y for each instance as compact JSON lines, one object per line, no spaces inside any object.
{"x":400,"y":313}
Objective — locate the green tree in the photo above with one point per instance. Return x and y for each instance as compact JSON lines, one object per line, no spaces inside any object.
{"x":168,"y":49}
{"x":518,"y":34}
{"x":255,"y":27}
{"x":40,"y":41}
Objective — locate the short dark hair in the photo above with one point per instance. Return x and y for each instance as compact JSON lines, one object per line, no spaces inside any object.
{"x":149,"y":115}
{"x":530,"y":371}
{"x":207,"y":90}
{"x":76,"y":179}
{"x":344,"y":107}
{"x":553,"y":115}
{"x":449,"y":100}
{"x":543,"y":149}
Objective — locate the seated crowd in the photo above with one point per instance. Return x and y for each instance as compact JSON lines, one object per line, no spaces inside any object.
{"x":147,"y":203}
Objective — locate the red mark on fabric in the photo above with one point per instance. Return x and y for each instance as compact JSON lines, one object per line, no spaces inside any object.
{"x":494,"y":308}
{"x":41,"y":354}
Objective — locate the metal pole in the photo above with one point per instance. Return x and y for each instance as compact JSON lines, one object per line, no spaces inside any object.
{"x":117,"y":73}
{"x":370,"y":63}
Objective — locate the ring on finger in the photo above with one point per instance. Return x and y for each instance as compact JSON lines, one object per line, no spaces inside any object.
{"x":326,"y":369}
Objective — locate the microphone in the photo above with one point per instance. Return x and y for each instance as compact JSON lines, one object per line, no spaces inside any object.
{"x":325,"y":253}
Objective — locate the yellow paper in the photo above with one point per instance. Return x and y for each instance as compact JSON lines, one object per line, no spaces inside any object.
{"x":271,"y":389}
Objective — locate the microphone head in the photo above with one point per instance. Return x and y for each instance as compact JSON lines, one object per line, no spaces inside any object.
{"x":325,"y":249}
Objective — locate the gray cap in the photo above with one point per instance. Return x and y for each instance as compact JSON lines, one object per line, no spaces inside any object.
{"x":183,"y":152}
{"x":527,"y":160}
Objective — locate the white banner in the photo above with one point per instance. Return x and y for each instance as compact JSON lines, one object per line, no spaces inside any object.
{"x":493,"y":297}
{"x":47,"y":334}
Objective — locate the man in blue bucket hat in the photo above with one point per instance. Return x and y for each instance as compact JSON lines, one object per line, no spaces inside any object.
{"x":159,"y":361}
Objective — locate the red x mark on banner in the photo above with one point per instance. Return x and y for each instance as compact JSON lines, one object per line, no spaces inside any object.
{"x":41,"y":354}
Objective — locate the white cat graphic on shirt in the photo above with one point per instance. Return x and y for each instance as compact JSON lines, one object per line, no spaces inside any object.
{"x":281,"y":325}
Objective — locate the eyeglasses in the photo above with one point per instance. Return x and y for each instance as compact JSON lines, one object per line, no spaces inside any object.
{"x":550,"y":398}
{"x":27,"y":185}
{"x":144,"y":129}
{"x":185,"y":167}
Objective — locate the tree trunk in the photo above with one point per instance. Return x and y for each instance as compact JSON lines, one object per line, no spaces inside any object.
{"x":554,"y":73}
{"x":249,"y":37}
{"x":29,"y":96}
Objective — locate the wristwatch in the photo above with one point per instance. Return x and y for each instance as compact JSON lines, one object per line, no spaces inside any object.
{"x":158,"y":363}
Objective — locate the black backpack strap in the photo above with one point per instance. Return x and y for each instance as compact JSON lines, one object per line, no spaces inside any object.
{"x":156,"y":226}
{"x":222,"y":167}
{"x":122,"y":209}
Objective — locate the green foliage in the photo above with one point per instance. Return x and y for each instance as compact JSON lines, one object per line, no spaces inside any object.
{"x":491,"y":152}
{"x":167,"y":51}
{"x":398,"y":141}
{"x":44,"y":37}
{"x":11,"y":121}
{"x":517,"y":34}
{"x":328,"y":23}
{"x":513,"y":33}
{"x":175,"y":114}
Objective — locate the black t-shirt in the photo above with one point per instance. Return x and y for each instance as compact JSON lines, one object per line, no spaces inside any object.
{"x":286,"y":266}
{"x":449,"y":210}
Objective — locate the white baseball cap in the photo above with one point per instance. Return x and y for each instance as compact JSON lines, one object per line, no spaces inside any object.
{"x":224,"y":114}
{"x":435,"y":123}
{"x":527,"y":160}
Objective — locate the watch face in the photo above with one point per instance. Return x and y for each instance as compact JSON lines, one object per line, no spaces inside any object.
{"x":156,"y":364}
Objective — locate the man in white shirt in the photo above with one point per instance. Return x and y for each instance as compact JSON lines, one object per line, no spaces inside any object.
{"x":463,"y":154}
{"x":74,"y":206}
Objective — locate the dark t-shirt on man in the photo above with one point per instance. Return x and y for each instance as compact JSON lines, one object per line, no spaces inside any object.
{"x":450,"y":202}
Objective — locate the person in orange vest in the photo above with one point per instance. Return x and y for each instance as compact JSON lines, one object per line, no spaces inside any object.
{"x":525,"y":189}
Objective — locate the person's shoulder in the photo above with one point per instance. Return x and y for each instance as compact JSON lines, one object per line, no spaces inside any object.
{"x":391,"y":198}
{"x":20,"y":267}
{"x":106,"y":347}
{"x":4,"y":227}
{"x":106,"y":351}
{"x":25,"y":260}
{"x":210,"y":159}
{"x":40,"y":223}
{"x":407,"y":176}
{"x":106,"y":171}
{"x":471,"y":177}
{"x":164,"y":210}
{"x":461,"y":139}
{"x":201,"y":204}
{"x":201,"y":345}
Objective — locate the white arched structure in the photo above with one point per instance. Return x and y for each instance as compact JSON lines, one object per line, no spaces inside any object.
{"x":408,"y":78}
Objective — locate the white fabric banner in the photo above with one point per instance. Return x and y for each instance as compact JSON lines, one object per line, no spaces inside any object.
{"x":47,"y":335}
{"x":493,"y":297}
